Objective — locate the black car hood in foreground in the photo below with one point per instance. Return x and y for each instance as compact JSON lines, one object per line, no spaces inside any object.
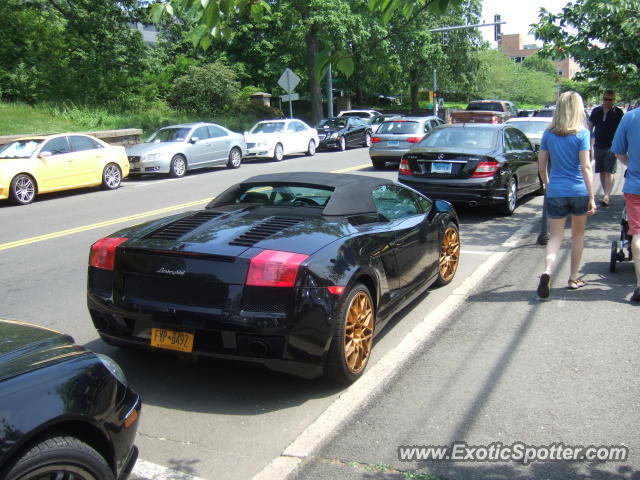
{"x":25,"y":347}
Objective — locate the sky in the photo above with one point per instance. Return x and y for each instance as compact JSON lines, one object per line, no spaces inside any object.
{"x":518,"y":14}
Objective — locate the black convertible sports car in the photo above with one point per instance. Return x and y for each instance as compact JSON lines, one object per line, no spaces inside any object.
{"x":65,"y":412}
{"x":297,"y":271}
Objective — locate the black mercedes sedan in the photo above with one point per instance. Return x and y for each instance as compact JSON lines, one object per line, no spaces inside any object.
{"x":65,"y":412}
{"x":342,"y":132}
{"x":475,"y":164}
{"x":296,"y":271}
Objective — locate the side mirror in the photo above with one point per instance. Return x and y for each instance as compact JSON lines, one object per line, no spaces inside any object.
{"x":536,"y":148}
{"x":193,"y":139}
{"x":45,"y":154}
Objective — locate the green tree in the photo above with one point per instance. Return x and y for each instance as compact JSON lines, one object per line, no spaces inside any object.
{"x":603,"y":36}
{"x":539,"y":64}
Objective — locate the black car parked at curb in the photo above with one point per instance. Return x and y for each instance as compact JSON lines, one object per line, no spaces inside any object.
{"x":65,"y":412}
{"x":341,"y":132}
{"x":295,"y":271}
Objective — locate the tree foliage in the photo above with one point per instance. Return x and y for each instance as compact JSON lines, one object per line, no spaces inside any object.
{"x":538,"y":63}
{"x":603,"y":36}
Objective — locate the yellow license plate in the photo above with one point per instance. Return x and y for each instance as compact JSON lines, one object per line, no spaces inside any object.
{"x":172,"y":340}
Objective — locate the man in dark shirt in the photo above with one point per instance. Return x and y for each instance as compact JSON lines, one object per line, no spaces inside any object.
{"x":603,"y":123}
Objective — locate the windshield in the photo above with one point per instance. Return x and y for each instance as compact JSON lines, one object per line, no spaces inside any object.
{"x":332,"y":123}
{"x":268,"y":127}
{"x":20,"y":148}
{"x":532,"y":128}
{"x":169,"y":135}
{"x":356,"y":114}
{"x":398,"y":127}
{"x":486,"y":106}
{"x":453,"y":137}
{"x":285,"y":195}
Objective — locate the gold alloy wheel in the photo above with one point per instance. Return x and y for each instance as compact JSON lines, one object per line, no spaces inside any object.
{"x":449,"y":253}
{"x":358,"y":332}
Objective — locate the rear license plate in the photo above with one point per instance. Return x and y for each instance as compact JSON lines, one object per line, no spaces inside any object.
{"x":393,"y":143}
{"x":437,"y":167}
{"x":172,"y":340}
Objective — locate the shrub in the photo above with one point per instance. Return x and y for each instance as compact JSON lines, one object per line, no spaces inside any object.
{"x":206,"y":89}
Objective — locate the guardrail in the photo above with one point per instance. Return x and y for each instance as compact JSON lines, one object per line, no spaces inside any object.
{"x":124,"y":136}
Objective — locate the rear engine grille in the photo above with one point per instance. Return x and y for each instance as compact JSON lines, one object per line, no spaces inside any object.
{"x":264,"y":230}
{"x":177,"y":229}
{"x":179,"y":291}
{"x":267,"y":299}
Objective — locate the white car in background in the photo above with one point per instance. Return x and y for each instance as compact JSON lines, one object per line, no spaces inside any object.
{"x":277,"y":138}
{"x":364,"y":114}
{"x":532,"y":127}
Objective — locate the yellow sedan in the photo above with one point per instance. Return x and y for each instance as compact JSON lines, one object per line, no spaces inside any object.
{"x":35,"y":165}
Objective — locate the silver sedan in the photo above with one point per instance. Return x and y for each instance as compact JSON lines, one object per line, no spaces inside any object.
{"x":179,"y":148}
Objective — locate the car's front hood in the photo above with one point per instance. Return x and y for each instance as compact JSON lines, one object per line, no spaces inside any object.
{"x":25,"y":347}
{"x":268,"y":138}
{"x":148,"y":148}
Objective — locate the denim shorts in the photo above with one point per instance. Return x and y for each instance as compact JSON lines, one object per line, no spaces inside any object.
{"x":605,"y":160}
{"x":560,"y":207}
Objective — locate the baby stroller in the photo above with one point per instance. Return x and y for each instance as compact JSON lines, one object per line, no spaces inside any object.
{"x":618,"y":247}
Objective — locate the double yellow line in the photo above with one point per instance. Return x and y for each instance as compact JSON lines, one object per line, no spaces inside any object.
{"x":115,"y":221}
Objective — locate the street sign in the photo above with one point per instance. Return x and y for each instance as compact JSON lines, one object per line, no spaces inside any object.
{"x":290,"y":97}
{"x":288,"y":80}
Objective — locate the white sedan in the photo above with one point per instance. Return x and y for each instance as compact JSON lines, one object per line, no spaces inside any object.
{"x":277,"y":138}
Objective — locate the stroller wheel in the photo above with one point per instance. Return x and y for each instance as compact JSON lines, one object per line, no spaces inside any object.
{"x":614,"y":256}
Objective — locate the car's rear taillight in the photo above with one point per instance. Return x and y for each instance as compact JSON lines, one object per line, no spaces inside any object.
{"x":273,"y":268}
{"x":405,"y":168}
{"x":375,"y":139}
{"x":103,"y":252}
{"x":413,"y":139}
{"x":494,"y":120}
{"x":485,"y":169}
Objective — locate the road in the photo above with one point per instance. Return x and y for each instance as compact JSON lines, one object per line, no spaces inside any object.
{"x":209,"y":419}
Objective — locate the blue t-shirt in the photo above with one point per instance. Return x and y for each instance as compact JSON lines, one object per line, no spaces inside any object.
{"x":627,"y":142}
{"x":565,"y":175}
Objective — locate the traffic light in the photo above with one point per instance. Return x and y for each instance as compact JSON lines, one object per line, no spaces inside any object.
{"x":496,"y":28}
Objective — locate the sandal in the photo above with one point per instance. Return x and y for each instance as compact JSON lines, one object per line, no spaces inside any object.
{"x":576,"y":284}
{"x":543,"y":286}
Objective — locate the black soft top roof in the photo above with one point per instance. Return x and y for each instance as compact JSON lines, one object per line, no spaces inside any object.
{"x":351,"y":193}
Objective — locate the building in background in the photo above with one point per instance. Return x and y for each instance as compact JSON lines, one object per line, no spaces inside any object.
{"x":513,"y":46}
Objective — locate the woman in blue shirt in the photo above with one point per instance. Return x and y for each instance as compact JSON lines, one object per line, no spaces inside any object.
{"x":568,"y":184}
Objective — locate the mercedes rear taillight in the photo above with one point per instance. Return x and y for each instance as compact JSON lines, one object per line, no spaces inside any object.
{"x":103,"y":252}
{"x":405,"y":168}
{"x":273,"y":268}
{"x":375,"y":139}
{"x":485,"y":169}
{"x":413,"y":139}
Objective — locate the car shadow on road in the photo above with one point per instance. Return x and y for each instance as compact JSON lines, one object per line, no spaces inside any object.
{"x":211,"y":386}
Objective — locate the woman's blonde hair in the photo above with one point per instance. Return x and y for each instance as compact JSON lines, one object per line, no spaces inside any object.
{"x":569,"y":117}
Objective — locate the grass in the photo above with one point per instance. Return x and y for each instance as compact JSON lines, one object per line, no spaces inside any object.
{"x":20,"y":118}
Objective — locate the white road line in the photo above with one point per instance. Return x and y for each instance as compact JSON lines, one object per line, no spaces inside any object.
{"x":476,"y":252}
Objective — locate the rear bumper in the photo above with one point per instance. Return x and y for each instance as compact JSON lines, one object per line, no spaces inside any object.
{"x":295,"y":343}
{"x":478,"y":191}
{"x":388,"y":155}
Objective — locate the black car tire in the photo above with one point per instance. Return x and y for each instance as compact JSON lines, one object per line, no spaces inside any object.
{"x":357,"y":309}
{"x":278,"y":152}
{"x":64,"y":456}
{"x":22,"y":190}
{"x":178,"y":166}
{"x":111,"y":176}
{"x":311,"y":149}
{"x":342,"y":144}
{"x":378,"y":164}
{"x":367,"y":140}
{"x":449,"y":255}
{"x":235,"y":158}
{"x":511,"y":197}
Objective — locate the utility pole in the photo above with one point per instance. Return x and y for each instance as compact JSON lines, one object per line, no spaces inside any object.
{"x":329,"y":92}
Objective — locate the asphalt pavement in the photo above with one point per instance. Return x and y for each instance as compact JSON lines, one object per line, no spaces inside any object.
{"x":508,"y":368}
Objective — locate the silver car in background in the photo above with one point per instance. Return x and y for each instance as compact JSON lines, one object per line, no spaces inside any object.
{"x":532,"y":127}
{"x":179,"y":148}
{"x":396,"y":137}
